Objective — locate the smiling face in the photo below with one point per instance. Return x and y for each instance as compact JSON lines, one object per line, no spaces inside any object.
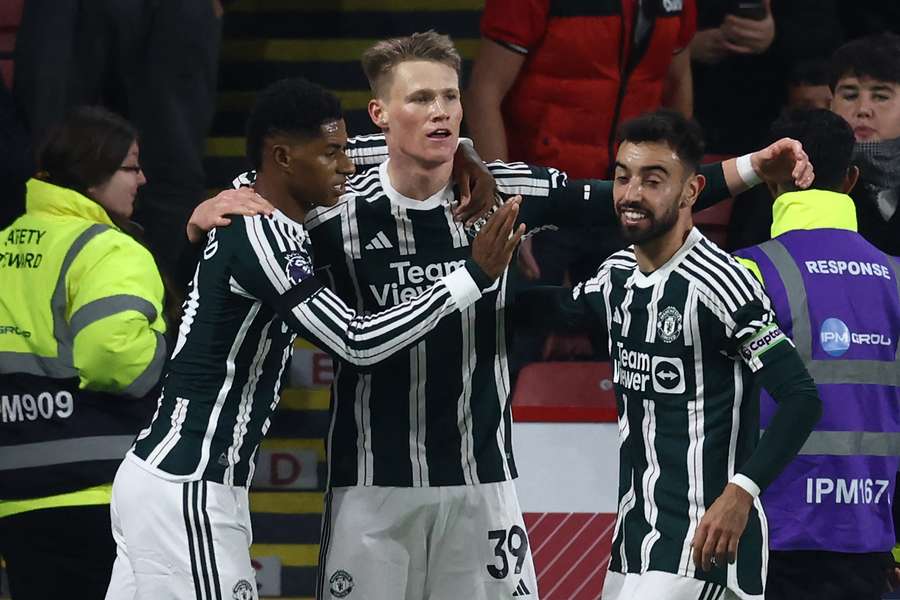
{"x":117,"y":193}
{"x":652,"y":191}
{"x":420,"y":111}
{"x":316,"y":169}
{"x":872,"y":107}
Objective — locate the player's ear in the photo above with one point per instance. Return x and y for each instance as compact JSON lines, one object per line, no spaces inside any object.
{"x":693,"y":187}
{"x":281,"y":155}
{"x":377,"y":113}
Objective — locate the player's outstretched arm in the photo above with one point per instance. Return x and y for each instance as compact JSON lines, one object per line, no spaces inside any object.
{"x":367,"y":339}
{"x":285,"y":281}
{"x":781,"y":163}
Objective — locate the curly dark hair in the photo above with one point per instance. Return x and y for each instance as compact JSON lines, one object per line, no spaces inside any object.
{"x":294,"y":106}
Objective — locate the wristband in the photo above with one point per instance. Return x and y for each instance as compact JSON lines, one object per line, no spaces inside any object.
{"x":746,"y":172}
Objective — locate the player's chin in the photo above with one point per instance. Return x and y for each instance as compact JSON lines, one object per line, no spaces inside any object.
{"x":331,"y":198}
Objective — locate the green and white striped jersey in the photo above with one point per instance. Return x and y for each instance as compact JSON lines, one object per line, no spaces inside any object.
{"x":252,"y":293}
{"x":437,"y":414}
{"x":685,"y":341}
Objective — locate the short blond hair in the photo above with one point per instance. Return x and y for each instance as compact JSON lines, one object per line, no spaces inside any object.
{"x":379,"y":61}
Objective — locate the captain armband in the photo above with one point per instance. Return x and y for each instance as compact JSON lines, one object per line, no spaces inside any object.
{"x":763,"y":340}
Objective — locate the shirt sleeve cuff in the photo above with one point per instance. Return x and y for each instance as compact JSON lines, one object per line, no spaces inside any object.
{"x":742,"y":481}
{"x":463,"y":288}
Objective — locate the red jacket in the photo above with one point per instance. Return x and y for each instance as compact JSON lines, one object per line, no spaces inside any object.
{"x":582,"y":76}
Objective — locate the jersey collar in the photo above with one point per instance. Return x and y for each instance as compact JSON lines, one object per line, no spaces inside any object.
{"x":443,"y":197}
{"x":57,"y":201}
{"x":813,"y":209}
{"x":645,"y":280}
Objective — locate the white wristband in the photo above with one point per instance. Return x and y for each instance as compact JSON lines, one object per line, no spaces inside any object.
{"x":746,"y":172}
{"x":742,"y":481}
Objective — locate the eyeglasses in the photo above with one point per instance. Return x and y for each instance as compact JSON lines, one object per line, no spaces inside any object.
{"x":131,"y":169}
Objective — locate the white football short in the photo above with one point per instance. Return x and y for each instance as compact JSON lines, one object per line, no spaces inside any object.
{"x":437,"y":543}
{"x":654,"y":585}
{"x":179,"y":540}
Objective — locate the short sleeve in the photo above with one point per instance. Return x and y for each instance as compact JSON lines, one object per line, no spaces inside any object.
{"x":516,"y":24}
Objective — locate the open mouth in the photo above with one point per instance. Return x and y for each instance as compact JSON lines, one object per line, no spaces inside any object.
{"x":439,"y":134}
{"x":633,"y":216}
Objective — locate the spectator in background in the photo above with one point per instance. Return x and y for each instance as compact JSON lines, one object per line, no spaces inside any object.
{"x":865,"y":76}
{"x":85,"y":301}
{"x":551,"y":83}
{"x":16,"y":164}
{"x":154,"y":61}
{"x":829,"y":511}
{"x":740,"y":56}
{"x":550,"y":86}
{"x":808,"y":87}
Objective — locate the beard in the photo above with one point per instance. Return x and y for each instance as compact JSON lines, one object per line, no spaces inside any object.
{"x":656,"y":227}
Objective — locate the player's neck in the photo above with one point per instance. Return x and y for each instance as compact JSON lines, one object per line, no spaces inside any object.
{"x":417,"y":181}
{"x":279,"y":197}
{"x":653,"y":254}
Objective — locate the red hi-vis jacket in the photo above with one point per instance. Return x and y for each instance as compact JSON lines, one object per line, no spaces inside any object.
{"x":583,"y":75}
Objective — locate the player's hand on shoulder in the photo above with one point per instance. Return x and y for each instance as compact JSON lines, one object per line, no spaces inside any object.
{"x":493,"y":247}
{"x":214,"y":212}
{"x":475,"y":183}
{"x":720,"y":529}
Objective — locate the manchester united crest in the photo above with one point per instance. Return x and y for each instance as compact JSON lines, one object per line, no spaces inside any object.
{"x":341,"y":584}
{"x":669,"y":324}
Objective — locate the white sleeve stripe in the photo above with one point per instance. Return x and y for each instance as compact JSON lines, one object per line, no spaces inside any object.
{"x":516,"y":167}
{"x":384,"y":320}
{"x":754,"y":286}
{"x":319,"y":215}
{"x":370,"y":355}
{"x":719,"y":282}
{"x":709,"y":282}
{"x":371,"y":137}
{"x":278,"y":235}
{"x":264,"y":255}
{"x":360,"y":329}
{"x":727,"y":266}
{"x":523,"y":181}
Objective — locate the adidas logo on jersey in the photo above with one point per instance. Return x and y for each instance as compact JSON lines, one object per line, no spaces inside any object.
{"x":379,"y":242}
{"x":521,"y":590}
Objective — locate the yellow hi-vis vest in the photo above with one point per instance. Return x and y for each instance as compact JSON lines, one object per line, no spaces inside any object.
{"x":81,"y":343}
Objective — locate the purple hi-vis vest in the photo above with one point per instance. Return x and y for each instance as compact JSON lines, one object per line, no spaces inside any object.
{"x":838,"y":297}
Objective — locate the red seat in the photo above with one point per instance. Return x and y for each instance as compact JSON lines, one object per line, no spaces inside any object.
{"x":565,"y":392}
